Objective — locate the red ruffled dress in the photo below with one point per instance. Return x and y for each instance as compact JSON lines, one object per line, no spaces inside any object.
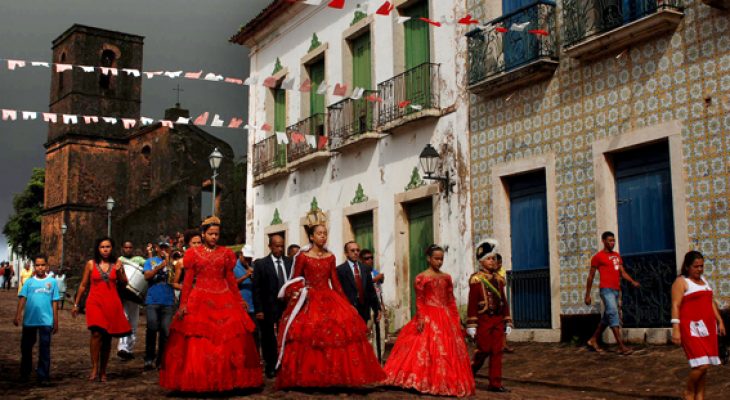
{"x":212,"y":347}
{"x":326,"y":342}
{"x":104,"y":311}
{"x":698,"y":325}
{"x":436,"y":360}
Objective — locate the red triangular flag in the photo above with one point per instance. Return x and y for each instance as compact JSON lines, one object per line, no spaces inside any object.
{"x":265,"y":127}
{"x":404,"y":104}
{"x":306,"y":86}
{"x":297,"y":137}
{"x":202,"y":119}
{"x":336,"y":4}
{"x":270,"y":82}
{"x":501,"y":29}
{"x":374,"y":98}
{"x":468,"y":20}
{"x":434,"y":23}
{"x":540,"y":32}
{"x":385,"y":9}
{"x":322,"y":142}
{"x":340,"y":90}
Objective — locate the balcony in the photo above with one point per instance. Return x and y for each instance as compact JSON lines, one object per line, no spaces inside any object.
{"x":269,"y":161}
{"x":300,"y":153}
{"x":721,"y":4}
{"x":502,"y":62}
{"x":597,"y":28}
{"x":353,"y":122}
{"x":409,"y":96}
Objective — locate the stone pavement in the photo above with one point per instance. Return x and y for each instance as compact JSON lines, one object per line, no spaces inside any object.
{"x":534,"y":371}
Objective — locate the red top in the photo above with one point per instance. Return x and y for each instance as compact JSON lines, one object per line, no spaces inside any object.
{"x":609,"y":265}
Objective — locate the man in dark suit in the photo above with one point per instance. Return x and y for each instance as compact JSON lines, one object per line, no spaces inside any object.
{"x":357,"y":283}
{"x":269,"y":275}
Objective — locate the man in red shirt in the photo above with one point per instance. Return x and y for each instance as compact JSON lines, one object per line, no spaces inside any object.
{"x":610,"y":266}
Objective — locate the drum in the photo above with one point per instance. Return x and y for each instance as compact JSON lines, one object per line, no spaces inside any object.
{"x":137,"y":285}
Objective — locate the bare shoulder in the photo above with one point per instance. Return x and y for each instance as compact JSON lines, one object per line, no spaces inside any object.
{"x":89,"y":265}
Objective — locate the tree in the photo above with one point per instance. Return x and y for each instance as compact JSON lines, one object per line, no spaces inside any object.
{"x":23,"y":229}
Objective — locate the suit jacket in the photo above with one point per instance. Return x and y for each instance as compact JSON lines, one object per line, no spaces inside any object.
{"x":347,"y":281}
{"x":266,"y":287}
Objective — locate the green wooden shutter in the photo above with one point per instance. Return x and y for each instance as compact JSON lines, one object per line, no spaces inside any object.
{"x":316,"y":75}
{"x":361,"y":62}
{"x":420,"y":236}
{"x":280,"y":123}
{"x":417,"y":44}
{"x":362,"y":227}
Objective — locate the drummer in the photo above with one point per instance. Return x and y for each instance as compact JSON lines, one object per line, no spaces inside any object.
{"x":130,"y":301}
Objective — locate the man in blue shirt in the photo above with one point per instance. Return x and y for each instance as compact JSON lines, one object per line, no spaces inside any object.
{"x":159,"y":303}
{"x":244,"y":278}
{"x":39,"y":299}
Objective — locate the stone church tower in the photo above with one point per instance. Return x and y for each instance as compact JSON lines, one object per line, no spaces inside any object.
{"x":156,"y":175}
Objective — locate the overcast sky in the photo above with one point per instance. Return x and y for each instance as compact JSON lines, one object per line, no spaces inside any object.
{"x":187,"y":35}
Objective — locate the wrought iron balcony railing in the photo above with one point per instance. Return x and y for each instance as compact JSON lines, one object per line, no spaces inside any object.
{"x":299,"y":148}
{"x":268,"y":155}
{"x":583,"y":19}
{"x":492,"y":52}
{"x":350,"y":118}
{"x":411,"y":91}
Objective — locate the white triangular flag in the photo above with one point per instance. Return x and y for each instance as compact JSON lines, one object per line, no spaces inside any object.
{"x":40,"y":64}
{"x":70,"y":119}
{"x":166,"y":122}
{"x":287,"y":84}
{"x":357,"y":93}
{"x":250,"y":81}
{"x":11,"y":115}
{"x":12,"y":64}
{"x":107,"y":71}
{"x":131,"y":71}
{"x":313,"y":2}
{"x":519,"y":27}
{"x":281,"y":138}
{"x":322,"y":89}
{"x":90,"y":118}
{"x":29,"y":115}
{"x":173,"y":75}
{"x":86,"y":68}
{"x":129,"y":123}
{"x":213,"y":77}
{"x":311,"y":140}
{"x":416,"y":107}
{"x":402,"y":20}
{"x":146,"y":121}
{"x":182,"y":120}
{"x":50,"y":117}
{"x":63,"y":67}
{"x":151,"y":75}
{"x":109,"y":120}
{"x":217,"y":121}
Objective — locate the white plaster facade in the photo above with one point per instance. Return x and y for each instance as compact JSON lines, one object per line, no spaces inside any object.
{"x":383,"y":167}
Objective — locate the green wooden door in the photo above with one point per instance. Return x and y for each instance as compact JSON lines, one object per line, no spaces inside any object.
{"x":280,"y":123}
{"x":316,"y":75}
{"x":420,"y":236}
{"x":417,"y":52}
{"x":361,"y":62}
{"x":417,"y":44}
{"x":362,"y":228}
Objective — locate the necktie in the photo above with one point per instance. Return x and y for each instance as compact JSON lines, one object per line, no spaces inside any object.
{"x":358,"y":283}
{"x":280,"y":273}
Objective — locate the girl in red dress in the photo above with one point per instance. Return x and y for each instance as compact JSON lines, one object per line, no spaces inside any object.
{"x":696,"y":322}
{"x":430,"y":354}
{"x":324,"y":340}
{"x":104,"y":312}
{"x":211,"y":346}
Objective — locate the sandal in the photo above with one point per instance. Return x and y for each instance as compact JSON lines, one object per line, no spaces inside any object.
{"x":594,"y":346}
{"x":626,"y":352}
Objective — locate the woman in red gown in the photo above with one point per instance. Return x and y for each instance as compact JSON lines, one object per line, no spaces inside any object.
{"x":324,"y":343}
{"x":211,"y":346}
{"x":430,"y":354}
{"x":104,"y":312}
{"x":696,"y":322}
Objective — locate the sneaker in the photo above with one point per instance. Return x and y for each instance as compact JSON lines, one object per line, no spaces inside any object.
{"x":149,"y":365}
{"x":125,"y":355}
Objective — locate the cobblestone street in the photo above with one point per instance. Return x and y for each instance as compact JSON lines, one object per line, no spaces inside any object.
{"x":534,"y":371}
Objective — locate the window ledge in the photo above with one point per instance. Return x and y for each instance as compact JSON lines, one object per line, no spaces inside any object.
{"x":535,"y":71}
{"x":270,"y":175}
{"x":312,"y":158}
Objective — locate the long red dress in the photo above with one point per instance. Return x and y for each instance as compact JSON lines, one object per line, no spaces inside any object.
{"x":698,"y":325}
{"x":212,"y":347}
{"x":436,"y":360}
{"x":104,"y":311}
{"x":326,"y":343}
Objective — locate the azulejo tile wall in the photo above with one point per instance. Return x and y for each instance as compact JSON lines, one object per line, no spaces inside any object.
{"x":666,"y":78}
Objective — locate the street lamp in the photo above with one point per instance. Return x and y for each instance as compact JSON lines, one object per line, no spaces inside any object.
{"x":215,"y":159}
{"x":429,"y":160}
{"x":64,"y":228}
{"x":109,"y":208}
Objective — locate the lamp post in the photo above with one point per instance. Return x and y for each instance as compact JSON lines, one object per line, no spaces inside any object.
{"x":64,"y":228}
{"x":215,"y":159}
{"x":109,"y":208}
{"x":429,"y":159}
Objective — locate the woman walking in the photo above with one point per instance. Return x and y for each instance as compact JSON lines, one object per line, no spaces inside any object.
{"x":104,"y":312}
{"x":211,"y":346}
{"x":430,"y":354}
{"x":696,"y":323}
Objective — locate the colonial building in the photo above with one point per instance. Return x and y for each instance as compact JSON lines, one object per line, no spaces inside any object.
{"x":595,"y":116}
{"x":363,"y":168}
{"x":156,"y":175}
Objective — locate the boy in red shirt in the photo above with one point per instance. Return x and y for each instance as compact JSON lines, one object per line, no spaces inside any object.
{"x":610,"y":266}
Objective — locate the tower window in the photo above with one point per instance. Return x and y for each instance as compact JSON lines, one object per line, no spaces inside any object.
{"x":108,"y":59}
